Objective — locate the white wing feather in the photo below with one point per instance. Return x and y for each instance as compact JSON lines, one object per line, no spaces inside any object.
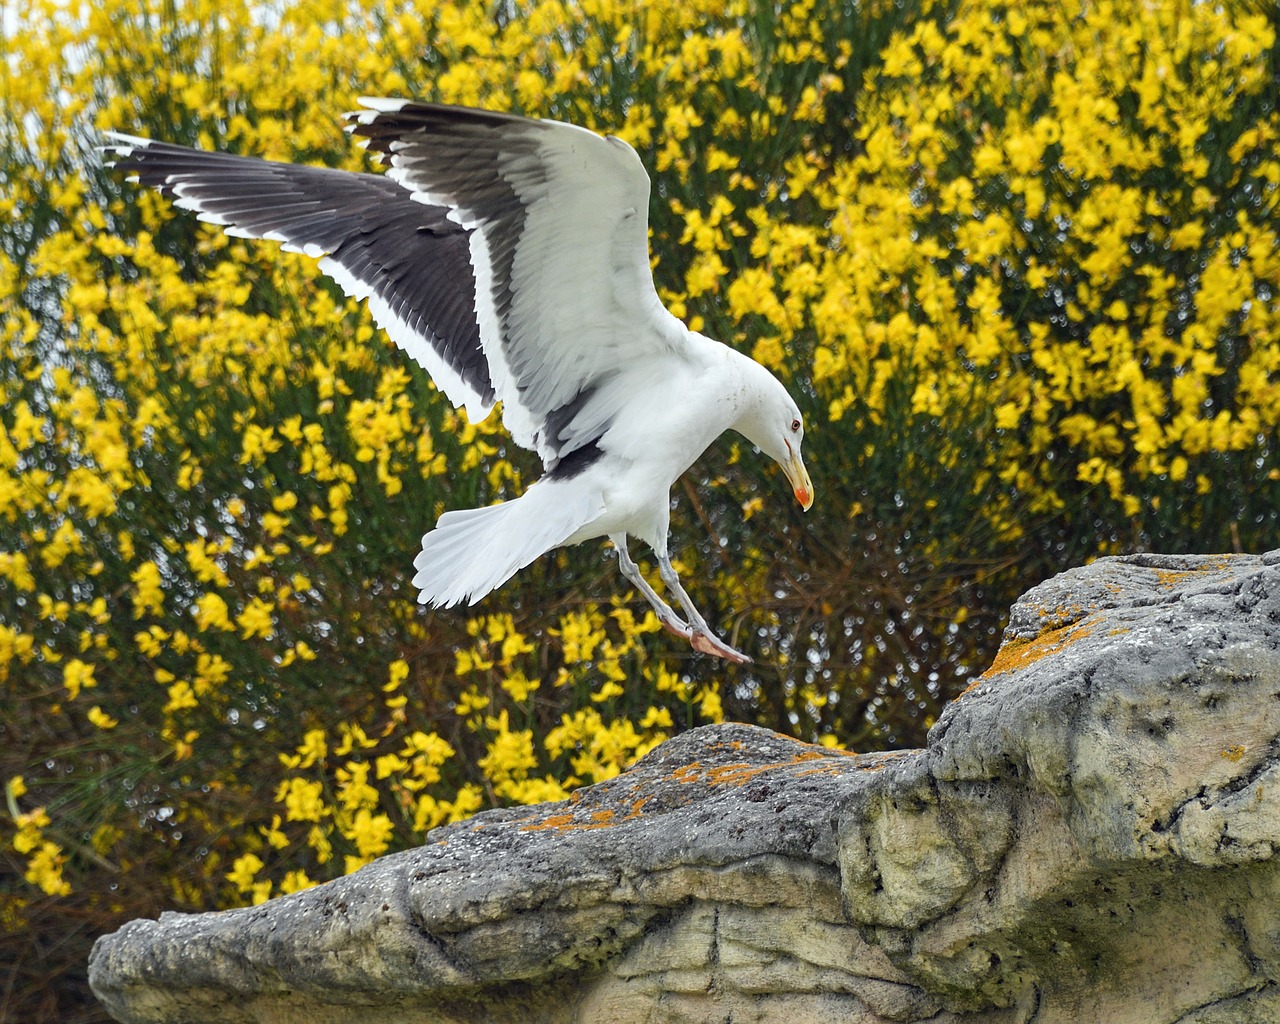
{"x":582,"y":306}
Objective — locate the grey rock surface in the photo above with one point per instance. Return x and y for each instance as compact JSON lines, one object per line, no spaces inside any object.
{"x":1089,"y":835}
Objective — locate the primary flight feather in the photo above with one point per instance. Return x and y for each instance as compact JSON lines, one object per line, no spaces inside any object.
{"x":510,"y":258}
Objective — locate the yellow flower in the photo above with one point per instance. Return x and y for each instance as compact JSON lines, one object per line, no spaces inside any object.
{"x":318,"y":840}
{"x":510,"y":756}
{"x":311,"y":750}
{"x":77,"y":675}
{"x":302,"y":799}
{"x":212,"y":670}
{"x":258,"y":442}
{"x":398,"y":672}
{"x":66,"y":541}
{"x":149,"y":641}
{"x":255,"y":620}
{"x":354,"y":789}
{"x":295,"y":881}
{"x":607,"y":691}
{"x":44,"y":869}
{"x":28,"y":429}
{"x":426,"y":752}
{"x":272,"y":834}
{"x":17,"y":570}
{"x":710,"y":706}
{"x":181,"y":697}
{"x":656,"y":718}
{"x":244,"y":871}
{"x":519,"y":686}
{"x":351,"y":864}
{"x":200,"y":558}
{"x":580,"y":633}
{"x":1008,"y":415}
{"x":211,"y":613}
{"x":370,"y":832}
{"x":769,"y":352}
{"x":101,"y":719}
{"x":353,"y":738}
{"x":470,"y":701}
{"x":387,"y":765}
{"x":513,"y":645}
{"x":468,"y":800}
{"x":470,"y":659}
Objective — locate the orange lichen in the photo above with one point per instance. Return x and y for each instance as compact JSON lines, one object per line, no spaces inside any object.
{"x":739,"y":772}
{"x":828,"y":770}
{"x":1063,"y":611}
{"x":688,"y":773}
{"x":1018,"y":654}
{"x":1232,"y":753}
{"x":1169,"y":579}
{"x":568,"y":823}
{"x":556,"y":821}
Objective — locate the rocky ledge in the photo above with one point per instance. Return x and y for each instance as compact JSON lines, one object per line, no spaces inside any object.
{"x":1090,"y":835}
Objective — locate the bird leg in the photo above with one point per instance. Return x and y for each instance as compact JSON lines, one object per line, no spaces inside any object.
{"x":699,"y":635}
{"x":702,"y":638}
{"x":666,"y":614}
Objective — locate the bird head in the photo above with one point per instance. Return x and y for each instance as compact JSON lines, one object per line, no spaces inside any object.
{"x":774,"y":425}
{"x":793,"y":465}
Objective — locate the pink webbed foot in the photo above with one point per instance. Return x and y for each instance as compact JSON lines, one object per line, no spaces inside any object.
{"x":705,"y":643}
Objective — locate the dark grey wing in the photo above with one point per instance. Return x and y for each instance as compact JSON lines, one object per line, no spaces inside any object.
{"x":408,"y":259}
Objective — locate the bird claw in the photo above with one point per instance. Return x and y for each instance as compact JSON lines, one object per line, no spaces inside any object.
{"x":705,"y":643}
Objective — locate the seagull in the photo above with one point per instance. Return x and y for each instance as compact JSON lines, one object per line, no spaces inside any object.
{"x":510,"y":258}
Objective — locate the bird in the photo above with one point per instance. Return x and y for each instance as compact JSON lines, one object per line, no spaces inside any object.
{"x":509,"y":257}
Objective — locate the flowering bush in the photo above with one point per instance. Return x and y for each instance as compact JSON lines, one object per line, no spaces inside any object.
{"x":1018,"y":260}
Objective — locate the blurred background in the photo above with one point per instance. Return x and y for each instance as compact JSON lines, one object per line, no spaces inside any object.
{"x":1018,"y":261}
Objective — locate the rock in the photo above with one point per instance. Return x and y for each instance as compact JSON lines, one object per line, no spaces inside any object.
{"x":1089,"y":835}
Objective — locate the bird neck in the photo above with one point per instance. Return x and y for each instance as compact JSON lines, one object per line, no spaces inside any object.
{"x":749,"y":386}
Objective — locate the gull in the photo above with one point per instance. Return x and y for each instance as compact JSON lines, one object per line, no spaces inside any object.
{"x":509,"y":257}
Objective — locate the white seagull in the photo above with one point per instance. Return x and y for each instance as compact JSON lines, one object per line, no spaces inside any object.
{"x":510,"y":258}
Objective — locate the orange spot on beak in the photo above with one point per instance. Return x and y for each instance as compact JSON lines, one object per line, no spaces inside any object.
{"x":798,"y":476}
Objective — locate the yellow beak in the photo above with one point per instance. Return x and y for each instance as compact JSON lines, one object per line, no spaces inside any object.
{"x":798,"y":477}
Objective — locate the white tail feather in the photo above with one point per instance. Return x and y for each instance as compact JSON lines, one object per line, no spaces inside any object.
{"x":473,"y":551}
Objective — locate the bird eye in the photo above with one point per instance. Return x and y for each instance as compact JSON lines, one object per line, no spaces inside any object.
{"x":795,"y":425}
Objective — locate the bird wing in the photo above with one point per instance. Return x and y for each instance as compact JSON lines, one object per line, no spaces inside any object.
{"x":559,"y":246}
{"x":408,"y":259}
